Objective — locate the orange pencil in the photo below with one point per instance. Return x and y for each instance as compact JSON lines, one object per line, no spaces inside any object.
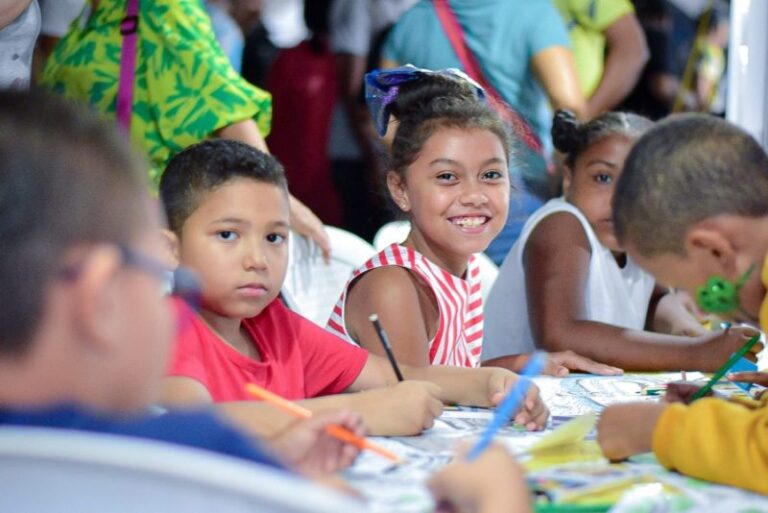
{"x":338,"y":432}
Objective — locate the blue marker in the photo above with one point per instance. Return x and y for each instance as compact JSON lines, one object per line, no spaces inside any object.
{"x":510,"y":403}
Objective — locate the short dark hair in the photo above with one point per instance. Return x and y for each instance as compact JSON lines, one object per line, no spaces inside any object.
{"x":66,"y":178}
{"x":433,"y":102}
{"x":573,"y":137}
{"x":205,"y":166}
{"x":688,"y":168}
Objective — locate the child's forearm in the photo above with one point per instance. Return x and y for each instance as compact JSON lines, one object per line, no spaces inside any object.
{"x":633,"y":350}
{"x":379,"y":413}
{"x":458,"y":385}
{"x":671,"y":316}
{"x":512,"y":362}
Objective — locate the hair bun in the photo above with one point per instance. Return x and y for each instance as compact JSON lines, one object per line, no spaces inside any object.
{"x":565,"y":130}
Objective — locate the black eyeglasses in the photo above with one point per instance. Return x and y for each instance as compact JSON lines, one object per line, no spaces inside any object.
{"x":180,"y":282}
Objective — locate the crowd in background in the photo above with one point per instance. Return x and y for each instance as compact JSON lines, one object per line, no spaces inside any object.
{"x":644,"y":56}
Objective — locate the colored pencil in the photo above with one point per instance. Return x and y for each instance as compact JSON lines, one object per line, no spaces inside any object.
{"x":510,"y":403}
{"x":725,"y":368}
{"x":337,"y":432}
{"x":387,"y":347}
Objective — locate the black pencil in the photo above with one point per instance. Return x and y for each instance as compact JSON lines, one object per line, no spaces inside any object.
{"x":387,"y":348}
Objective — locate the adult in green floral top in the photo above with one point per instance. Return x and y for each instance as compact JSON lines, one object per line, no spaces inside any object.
{"x":184,"y":89}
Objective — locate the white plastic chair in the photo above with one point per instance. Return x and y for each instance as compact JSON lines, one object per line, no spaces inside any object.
{"x":313,"y":287}
{"x":50,"y":470}
{"x":397,"y":231}
{"x":391,"y":233}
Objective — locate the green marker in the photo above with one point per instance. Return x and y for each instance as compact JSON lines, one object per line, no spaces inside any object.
{"x":725,"y":368}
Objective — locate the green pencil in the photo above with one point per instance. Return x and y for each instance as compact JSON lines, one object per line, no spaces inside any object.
{"x":725,"y":368}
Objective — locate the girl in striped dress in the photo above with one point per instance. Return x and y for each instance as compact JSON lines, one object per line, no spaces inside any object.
{"x":450,"y":177}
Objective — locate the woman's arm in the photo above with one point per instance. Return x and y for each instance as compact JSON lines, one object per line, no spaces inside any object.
{"x":556,"y":72}
{"x":627,"y":53}
{"x":673,"y":313}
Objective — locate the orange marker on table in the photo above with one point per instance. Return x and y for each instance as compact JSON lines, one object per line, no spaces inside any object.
{"x":337,"y":432}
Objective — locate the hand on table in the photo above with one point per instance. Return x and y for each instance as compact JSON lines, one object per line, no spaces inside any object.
{"x":715,"y":351}
{"x":561,"y":363}
{"x":758,"y":378}
{"x":533,"y":413}
{"x":493,"y":483}
{"x":307,"y":446}
{"x":683,"y":392}
{"x":627,"y":429}
{"x":404,"y":409}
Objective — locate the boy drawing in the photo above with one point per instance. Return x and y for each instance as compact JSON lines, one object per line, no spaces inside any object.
{"x":227,"y":208}
{"x":691,"y":208}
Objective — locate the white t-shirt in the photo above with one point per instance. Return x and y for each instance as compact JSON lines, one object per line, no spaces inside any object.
{"x":58,"y":15}
{"x":17,"y":43}
{"x":613,"y":295}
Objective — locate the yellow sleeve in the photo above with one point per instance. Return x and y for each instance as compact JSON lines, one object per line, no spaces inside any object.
{"x":717,"y":441}
{"x":595,"y":15}
{"x":764,"y":306}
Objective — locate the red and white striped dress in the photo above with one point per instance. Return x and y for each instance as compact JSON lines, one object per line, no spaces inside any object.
{"x":459,"y":337}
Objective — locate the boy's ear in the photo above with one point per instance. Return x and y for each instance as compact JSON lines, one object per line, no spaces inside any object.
{"x":567,"y":179}
{"x":712,"y":246}
{"x":171,"y":245}
{"x":96,"y":303}
{"x":398,"y":191}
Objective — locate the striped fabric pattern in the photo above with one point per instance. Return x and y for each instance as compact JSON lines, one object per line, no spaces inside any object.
{"x":459,"y":337}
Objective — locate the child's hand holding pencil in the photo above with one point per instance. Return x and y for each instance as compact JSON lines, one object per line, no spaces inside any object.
{"x":492,"y":482}
{"x":338,"y":431}
{"x":532,"y":413}
{"x":307,"y":446}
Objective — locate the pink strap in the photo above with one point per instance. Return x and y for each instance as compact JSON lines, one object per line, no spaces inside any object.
{"x":129,"y":27}
{"x":468,"y":61}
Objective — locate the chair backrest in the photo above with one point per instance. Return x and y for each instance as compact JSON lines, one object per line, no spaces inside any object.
{"x":397,"y":231}
{"x":44,"y":470}
{"x":391,"y":233}
{"x":313,"y":287}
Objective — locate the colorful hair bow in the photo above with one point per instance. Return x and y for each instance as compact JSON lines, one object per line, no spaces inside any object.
{"x":383,"y":85}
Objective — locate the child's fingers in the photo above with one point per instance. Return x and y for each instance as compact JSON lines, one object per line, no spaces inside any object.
{"x":573,"y":361}
{"x":533,"y":414}
{"x":761,"y":378}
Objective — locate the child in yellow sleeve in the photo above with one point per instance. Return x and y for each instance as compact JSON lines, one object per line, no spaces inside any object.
{"x":691,"y":208}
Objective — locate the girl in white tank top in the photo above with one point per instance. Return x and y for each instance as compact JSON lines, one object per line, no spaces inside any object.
{"x":567,"y":283}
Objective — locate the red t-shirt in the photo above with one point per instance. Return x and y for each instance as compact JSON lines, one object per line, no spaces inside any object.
{"x":299,"y":358}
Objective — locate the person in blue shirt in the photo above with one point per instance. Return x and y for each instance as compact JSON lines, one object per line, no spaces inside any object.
{"x":523,"y":50}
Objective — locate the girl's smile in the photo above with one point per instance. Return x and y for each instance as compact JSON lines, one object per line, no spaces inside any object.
{"x":456,"y":193}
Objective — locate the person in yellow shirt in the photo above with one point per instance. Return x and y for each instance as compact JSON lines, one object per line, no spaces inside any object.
{"x":691,"y":208}
{"x":609,"y":49}
{"x":702,"y":92}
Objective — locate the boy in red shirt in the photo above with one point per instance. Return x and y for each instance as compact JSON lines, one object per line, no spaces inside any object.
{"x":227,"y":207}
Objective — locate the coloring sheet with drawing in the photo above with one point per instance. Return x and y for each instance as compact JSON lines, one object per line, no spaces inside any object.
{"x":392,"y":489}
